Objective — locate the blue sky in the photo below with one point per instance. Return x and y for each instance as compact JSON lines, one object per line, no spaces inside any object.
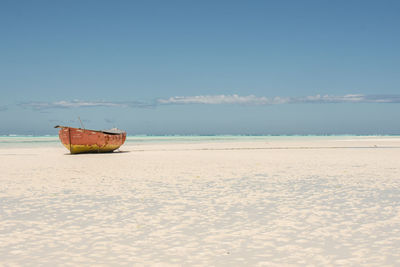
{"x":201,"y":67}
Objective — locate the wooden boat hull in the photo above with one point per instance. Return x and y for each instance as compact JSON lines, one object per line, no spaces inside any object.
{"x":78,"y":140}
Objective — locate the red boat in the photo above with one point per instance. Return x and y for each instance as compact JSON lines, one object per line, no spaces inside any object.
{"x":78,"y":140}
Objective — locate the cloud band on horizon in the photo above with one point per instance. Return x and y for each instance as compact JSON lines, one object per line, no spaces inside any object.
{"x":249,"y":100}
{"x":35,"y":105}
{"x":254,"y":100}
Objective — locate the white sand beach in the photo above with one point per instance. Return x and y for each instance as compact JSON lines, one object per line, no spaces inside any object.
{"x":263,"y":202}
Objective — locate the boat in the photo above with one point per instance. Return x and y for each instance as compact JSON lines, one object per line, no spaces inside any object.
{"x":78,"y":140}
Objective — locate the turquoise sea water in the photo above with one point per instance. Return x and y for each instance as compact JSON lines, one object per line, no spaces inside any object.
{"x":33,"y":141}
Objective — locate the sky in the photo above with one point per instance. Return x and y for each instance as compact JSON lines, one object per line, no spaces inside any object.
{"x":201,"y":67}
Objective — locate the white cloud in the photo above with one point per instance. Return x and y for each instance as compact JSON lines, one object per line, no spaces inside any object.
{"x":216,"y":99}
{"x":79,"y":104}
{"x":71,"y":104}
{"x":350,"y":98}
{"x":383,"y":98}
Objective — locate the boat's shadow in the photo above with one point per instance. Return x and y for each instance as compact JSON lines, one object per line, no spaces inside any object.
{"x":99,"y":153}
{"x":121,"y":151}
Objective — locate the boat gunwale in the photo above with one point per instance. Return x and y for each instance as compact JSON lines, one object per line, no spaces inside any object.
{"x":98,"y":131}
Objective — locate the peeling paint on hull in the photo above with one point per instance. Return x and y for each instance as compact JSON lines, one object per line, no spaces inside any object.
{"x":78,"y":140}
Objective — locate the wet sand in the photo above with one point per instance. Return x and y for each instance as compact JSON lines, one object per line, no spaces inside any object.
{"x":251,"y":203}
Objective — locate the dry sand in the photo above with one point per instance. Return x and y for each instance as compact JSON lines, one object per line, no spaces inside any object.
{"x":252,"y":203}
